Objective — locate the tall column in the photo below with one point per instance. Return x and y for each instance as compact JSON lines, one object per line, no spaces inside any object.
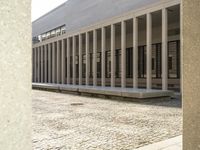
{"x":135,"y":52}
{"x":74,"y":60}
{"x":80,"y":59}
{"x":149,"y":51}
{"x":123,"y":54}
{"x":49,"y":64}
{"x":42,"y":64}
{"x":94,"y":57}
{"x":53,"y":63}
{"x":68,"y":60}
{"x":63,"y":62}
{"x":87,"y":58}
{"x":35,"y":64}
{"x":103,"y":50}
{"x":39,"y":50}
{"x":45,"y":63}
{"x":58,"y":62}
{"x":113,"y":55}
{"x":164,"y":50}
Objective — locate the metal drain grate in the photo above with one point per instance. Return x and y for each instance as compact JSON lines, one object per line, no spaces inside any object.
{"x":77,"y":104}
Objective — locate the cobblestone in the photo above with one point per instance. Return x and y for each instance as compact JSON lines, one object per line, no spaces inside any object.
{"x":70,"y":122}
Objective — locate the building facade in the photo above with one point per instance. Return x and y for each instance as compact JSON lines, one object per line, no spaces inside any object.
{"x":109,"y":43}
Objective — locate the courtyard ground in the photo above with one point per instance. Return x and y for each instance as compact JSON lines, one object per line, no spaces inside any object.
{"x":71,"y":122}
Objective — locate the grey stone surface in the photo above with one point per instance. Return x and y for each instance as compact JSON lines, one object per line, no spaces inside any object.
{"x":65,"y":122}
{"x":123,"y":92}
{"x":15,"y":75}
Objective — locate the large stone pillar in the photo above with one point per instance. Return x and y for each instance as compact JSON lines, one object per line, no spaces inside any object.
{"x":38,"y":71}
{"x":53,"y":63}
{"x":191,"y":74}
{"x":68,"y":60}
{"x":87,"y":59}
{"x":94,"y":57}
{"x":123,"y":54}
{"x":74,"y":60}
{"x":15,"y":75}
{"x":80,"y":59}
{"x":63,"y":62}
{"x":149,"y":51}
{"x":164,"y":49}
{"x":103,"y":51}
{"x":45,"y":63}
{"x":58,"y":62}
{"x":113,"y":55}
{"x":42,"y":64}
{"x":49,"y":64}
{"x":35,"y":65}
{"x":135,"y":52}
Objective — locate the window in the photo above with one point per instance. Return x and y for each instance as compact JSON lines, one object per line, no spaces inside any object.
{"x":170,"y":63}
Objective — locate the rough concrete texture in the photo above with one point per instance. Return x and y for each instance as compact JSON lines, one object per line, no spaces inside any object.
{"x":191,"y":74}
{"x":15,"y":75}
{"x":64,"y":122}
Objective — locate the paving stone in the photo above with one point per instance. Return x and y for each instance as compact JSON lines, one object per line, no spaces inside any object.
{"x":101,"y":123}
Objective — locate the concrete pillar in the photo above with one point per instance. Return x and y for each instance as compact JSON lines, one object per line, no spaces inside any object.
{"x":74,"y":60}
{"x":135,"y":52}
{"x":68,"y":60}
{"x":103,"y":50}
{"x":63,"y":62}
{"x":113,"y":55}
{"x":94,"y":57}
{"x":190,"y":73}
{"x":87,"y":59}
{"x":149,"y":51}
{"x":80,"y":59}
{"x":35,"y":64}
{"x":45,"y":63}
{"x":164,"y":49}
{"x":49,"y":64}
{"x":58,"y":62}
{"x":53,"y":63}
{"x":39,"y":50}
{"x":15,"y":75}
{"x":42,"y":64}
{"x":123,"y":54}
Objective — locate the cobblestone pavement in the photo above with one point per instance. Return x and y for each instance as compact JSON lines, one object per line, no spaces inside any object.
{"x":70,"y":122}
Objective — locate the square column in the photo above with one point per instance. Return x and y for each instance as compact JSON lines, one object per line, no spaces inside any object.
{"x":68,"y":60}
{"x":58,"y":62}
{"x":80,"y":59}
{"x":39,"y":58}
{"x":63,"y":62}
{"x":87,"y":59}
{"x":42,"y":64}
{"x":164,"y":49}
{"x":74,"y":60}
{"x":45,"y":63}
{"x":135,"y":52}
{"x":103,"y":50}
{"x":113,"y":55}
{"x":35,"y":65}
{"x":94,"y":57}
{"x":123,"y":54}
{"x":149,"y":51}
{"x":49,"y":64}
{"x":53,"y":63}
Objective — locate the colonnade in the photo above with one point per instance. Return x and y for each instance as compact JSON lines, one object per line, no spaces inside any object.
{"x":52,"y":56}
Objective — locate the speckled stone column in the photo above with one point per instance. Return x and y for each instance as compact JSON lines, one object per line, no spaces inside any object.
{"x":191,"y":74}
{"x":15,"y":76}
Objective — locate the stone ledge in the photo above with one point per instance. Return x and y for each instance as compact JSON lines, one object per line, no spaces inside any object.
{"x":126,"y":92}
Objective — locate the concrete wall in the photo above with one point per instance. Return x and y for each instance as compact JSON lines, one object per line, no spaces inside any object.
{"x":15,"y":75}
{"x":191,"y":74}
